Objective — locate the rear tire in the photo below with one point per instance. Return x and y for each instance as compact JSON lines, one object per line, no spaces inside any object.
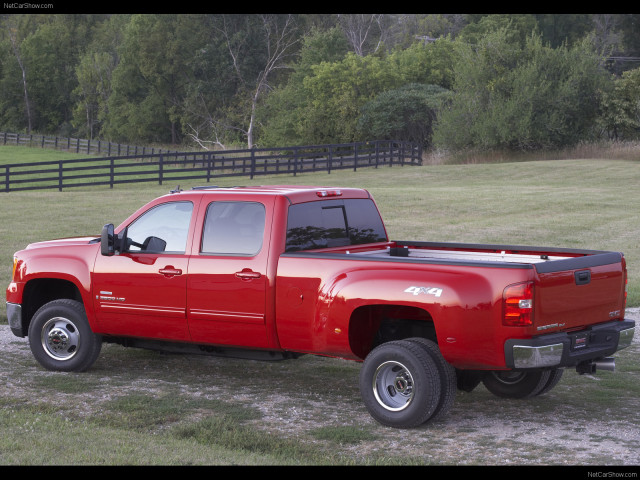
{"x":554,"y":377}
{"x":61,"y":339}
{"x":516,"y":384}
{"x":448,"y":379}
{"x":400,"y":384}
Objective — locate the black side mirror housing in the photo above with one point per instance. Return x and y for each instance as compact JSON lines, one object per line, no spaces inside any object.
{"x":107,"y":240}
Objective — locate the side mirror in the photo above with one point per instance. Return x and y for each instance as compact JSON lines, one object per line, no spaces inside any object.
{"x":154,"y":245}
{"x":107,"y":240}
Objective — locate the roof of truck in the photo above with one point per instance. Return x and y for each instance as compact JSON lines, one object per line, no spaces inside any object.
{"x":295,"y":193}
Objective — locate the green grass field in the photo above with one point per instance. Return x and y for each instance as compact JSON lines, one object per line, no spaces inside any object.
{"x":591,"y":204}
{"x":140,"y":407}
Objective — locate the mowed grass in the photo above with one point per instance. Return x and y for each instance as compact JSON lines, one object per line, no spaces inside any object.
{"x":592,"y":204}
{"x":139,"y":407}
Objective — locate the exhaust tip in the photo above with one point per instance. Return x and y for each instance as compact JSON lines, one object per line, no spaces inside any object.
{"x":608,"y":364}
{"x":590,"y":367}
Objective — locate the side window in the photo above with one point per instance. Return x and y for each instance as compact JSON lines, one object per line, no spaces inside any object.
{"x":233,"y":228}
{"x":333,"y":223}
{"x":164,"y":228}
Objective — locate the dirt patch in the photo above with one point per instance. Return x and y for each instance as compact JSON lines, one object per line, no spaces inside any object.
{"x":577,"y":423}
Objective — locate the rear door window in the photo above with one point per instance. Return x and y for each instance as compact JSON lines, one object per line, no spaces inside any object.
{"x":333,"y":223}
{"x":233,"y":228}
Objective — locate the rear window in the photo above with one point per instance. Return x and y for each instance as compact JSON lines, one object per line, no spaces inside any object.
{"x":333,"y":223}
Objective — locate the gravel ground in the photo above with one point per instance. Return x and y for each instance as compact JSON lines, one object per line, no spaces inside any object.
{"x":296,"y":397}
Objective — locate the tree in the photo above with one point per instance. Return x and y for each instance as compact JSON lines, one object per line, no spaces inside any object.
{"x":406,"y":113}
{"x":365,"y":32}
{"x":621,"y":107}
{"x":521,"y":98}
{"x":94,"y":74}
{"x":12,"y":30}
{"x":150,"y":83}
{"x":281,"y":115}
{"x":257,"y":47}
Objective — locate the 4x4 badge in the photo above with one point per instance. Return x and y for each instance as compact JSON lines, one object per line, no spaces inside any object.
{"x":426,"y":290}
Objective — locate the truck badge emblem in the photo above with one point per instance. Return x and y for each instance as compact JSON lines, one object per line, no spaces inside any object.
{"x":426,"y":290}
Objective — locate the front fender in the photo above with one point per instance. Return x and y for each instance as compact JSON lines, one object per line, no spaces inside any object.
{"x":68,"y":264}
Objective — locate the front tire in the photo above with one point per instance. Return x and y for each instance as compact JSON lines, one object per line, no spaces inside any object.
{"x":61,"y":339}
{"x":400,"y":384}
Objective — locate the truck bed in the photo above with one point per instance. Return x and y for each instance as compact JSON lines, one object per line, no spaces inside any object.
{"x":545,"y":259}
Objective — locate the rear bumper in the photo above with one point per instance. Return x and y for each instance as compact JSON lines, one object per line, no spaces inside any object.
{"x":569,"y":349}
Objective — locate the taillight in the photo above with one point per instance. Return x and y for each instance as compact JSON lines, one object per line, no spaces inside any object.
{"x":626,"y":286}
{"x":15,"y":264}
{"x":517,"y":305}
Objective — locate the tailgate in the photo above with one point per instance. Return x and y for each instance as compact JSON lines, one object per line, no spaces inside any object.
{"x":578,"y":292}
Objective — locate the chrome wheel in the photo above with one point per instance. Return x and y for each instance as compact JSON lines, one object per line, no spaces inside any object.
{"x":60,"y":338}
{"x":393,"y":386}
{"x":400,"y":384}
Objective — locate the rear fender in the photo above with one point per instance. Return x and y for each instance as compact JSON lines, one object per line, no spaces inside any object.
{"x":448,"y":298}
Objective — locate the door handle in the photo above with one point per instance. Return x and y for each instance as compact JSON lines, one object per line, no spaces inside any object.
{"x":247,"y":274}
{"x":170,"y":271}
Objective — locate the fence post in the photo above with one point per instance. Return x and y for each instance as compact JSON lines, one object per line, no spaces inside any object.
{"x":6,"y":177}
{"x":60,"y":176}
{"x":253,"y":164}
{"x":329,"y":160}
{"x":160,"y":166}
{"x":355,"y":157}
{"x":111,"y":172}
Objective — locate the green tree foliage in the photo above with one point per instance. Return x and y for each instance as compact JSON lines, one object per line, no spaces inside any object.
{"x":406,"y":113}
{"x":281,"y":115}
{"x":323,"y":101}
{"x":149,"y":83}
{"x":519,"y":81}
{"x":529,"y":97}
{"x":621,"y":107}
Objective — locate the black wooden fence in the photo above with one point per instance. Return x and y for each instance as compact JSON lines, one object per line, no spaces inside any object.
{"x":178,"y":167}
{"x":77,"y":145}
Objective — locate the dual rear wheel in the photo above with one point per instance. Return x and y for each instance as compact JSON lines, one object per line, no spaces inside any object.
{"x":405,"y":383}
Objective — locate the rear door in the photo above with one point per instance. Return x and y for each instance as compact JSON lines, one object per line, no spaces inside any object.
{"x":228,"y":280}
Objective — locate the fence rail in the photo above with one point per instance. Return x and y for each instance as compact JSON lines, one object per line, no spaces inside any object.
{"x":182,"y":166}
{"x":77,"y":145}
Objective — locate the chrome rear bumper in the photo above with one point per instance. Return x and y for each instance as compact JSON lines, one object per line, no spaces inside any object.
{"x":569,"y":349}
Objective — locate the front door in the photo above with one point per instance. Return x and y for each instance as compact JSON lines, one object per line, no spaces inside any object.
{"x":142,"y":290}
{"x":227,"y":279}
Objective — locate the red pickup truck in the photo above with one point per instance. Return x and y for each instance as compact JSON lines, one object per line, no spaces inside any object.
{"x":278,"y":271}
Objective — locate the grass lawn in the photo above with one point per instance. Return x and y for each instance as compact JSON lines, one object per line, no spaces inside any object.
{"x":141,"y":407}
{"x":589,"y":204}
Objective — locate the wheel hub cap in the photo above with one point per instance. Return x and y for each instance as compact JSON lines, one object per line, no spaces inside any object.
{"x":393,"y":386}
{"x":60,"y":338}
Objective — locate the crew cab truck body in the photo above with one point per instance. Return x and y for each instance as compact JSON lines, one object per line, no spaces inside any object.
{"x":278,"y":271}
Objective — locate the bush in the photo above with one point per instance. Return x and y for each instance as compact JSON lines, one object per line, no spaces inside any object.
{"x":522,"y":98}
{"x":406,"y":113}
